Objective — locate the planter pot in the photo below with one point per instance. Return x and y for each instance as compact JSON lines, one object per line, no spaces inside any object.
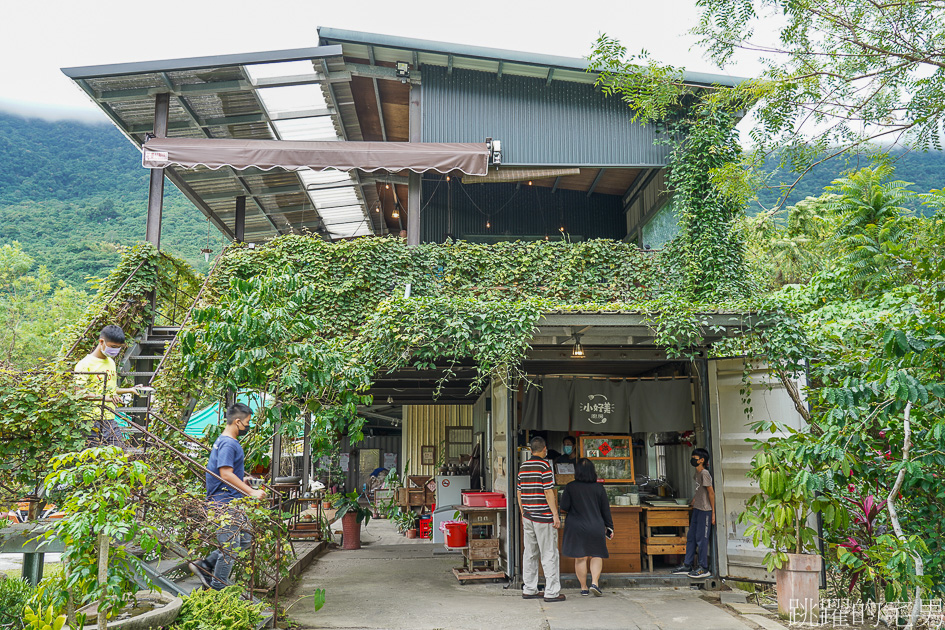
{"x":411,"y":533}
{"x":326,"y":505}
{"x":351,"y":531}
{"x":798,"y":583}
{"x":166,"y":611}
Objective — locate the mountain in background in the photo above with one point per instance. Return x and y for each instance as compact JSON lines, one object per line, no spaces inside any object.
{"x":72,"y":192}
{"x":924,"y":171}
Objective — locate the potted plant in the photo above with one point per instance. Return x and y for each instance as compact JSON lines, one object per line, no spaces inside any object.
{"x":777,"y":518}
{"x":352,"y":514}
{"x":410,"y":523}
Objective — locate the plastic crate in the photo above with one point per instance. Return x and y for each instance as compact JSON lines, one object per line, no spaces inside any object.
{"x":478,"y":499}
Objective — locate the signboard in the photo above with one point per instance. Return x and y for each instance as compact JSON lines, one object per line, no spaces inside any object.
{"x":345,"y":457}
{"x":390,"y":461}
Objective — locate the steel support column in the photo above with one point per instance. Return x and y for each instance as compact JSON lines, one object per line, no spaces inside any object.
{"x":306,"y":452}
{"x":156,"y":188}
{"x":413,"y":190}
{"x":239,"y":219}
{"x":33,"y":567}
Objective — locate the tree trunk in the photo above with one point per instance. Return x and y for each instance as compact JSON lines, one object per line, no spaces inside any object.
{"x":894,"y":516}
{"x":70,"y":601}
{"x":102,"y":577}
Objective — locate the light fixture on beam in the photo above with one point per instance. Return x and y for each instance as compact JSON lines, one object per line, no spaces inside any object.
{"x":396,"y":213}
{"x":577,"y":350}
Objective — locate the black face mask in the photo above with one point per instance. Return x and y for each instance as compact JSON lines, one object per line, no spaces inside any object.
{"x":243,"y":432}
{"x":694,"y":462}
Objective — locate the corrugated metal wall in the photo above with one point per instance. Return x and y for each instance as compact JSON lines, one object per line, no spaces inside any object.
{"x":385,"y":443}
{"x":463,"y":209}
{"x":425,"y":425}
{"x":562,"y":123}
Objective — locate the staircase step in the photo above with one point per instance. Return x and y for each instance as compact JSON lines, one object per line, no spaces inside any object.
{"x":132,"y":409}
{"x":136,"y":374}
{"x":154,"y":342}
{"x":146,"y":357}
{"x":166,"y":329}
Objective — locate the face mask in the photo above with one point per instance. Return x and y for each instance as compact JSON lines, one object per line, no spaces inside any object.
{"x":694,"y":462}
{"x":110,"y":352}
{"x":567,"y":449}
{"x":243,"y":431}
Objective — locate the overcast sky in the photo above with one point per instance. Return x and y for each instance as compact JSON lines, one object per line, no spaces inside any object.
{"x":42,"y":37}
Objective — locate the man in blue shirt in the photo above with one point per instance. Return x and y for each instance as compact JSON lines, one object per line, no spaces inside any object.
{"x":226,"y":462}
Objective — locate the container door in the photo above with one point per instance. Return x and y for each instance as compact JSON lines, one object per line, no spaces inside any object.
{"x":730,"y":426}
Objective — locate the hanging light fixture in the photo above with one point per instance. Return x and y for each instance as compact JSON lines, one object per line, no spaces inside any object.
{"x":447,"y":178}
{"x":561,"y":229}
{"x":577,"y":350}
{"x":206,"y":251}
{"x":396,"y":213}
{"x":488,"y":224}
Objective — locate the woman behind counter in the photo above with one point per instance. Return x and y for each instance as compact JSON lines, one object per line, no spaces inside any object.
{"x":588,"y":524}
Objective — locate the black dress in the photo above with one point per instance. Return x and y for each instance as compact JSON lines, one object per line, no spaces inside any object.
{"x":588,"y":517}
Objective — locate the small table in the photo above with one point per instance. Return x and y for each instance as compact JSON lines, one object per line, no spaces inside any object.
{"x":481,"y":553}
{"x":675,"y":517}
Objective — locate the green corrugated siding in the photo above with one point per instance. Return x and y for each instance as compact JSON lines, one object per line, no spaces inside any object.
{"x":564,"y":123}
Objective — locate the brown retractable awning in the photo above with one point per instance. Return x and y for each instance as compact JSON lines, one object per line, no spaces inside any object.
{"x":466,"y":157}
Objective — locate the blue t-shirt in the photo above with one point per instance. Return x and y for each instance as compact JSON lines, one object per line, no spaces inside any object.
{"x":226,"y":452}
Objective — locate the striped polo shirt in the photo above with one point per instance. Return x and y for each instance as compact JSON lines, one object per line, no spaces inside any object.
{"x":534,"y":477}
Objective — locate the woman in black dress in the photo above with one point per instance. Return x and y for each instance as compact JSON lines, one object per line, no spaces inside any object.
{"x":588,"y":524}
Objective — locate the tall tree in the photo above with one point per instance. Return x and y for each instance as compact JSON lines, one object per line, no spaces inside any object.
{"x":33,"y":308}
{"x":839,"y":75}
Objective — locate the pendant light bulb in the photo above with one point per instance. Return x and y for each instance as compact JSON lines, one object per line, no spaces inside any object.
{"x":488,"y":224}
{"x":529,"y":182}
{"x":561,"y":229}
{"x":577,"y":351}
{"x":386,"y":186}
{"x":396,"y":213}
{"x":447,"y":178}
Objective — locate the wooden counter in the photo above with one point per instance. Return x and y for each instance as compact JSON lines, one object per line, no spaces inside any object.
{"x":625,"y":547}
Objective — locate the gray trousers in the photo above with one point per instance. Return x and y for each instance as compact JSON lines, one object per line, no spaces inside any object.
{"x":232,"y":539}
{"x":541,"y":541}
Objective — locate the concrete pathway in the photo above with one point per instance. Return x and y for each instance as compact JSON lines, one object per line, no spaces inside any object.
{"x":395,"y":583}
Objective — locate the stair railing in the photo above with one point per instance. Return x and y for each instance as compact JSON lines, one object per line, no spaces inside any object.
{"x":110,"y":300}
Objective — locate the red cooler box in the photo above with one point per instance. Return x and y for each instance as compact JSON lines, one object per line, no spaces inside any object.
{"x":484,"y":499}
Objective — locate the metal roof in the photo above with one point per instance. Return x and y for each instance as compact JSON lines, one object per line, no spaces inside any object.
{"x":271,"y":95}
{"x":392,"y":48}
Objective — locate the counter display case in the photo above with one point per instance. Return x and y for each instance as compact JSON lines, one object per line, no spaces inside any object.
{"x":612,"y":456}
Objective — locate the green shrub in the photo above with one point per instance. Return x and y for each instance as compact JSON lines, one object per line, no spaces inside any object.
{"x":218,"y":610}
{"x":14,"y":595}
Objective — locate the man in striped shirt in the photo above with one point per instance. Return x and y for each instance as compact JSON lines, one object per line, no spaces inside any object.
{"x":538,"y":506}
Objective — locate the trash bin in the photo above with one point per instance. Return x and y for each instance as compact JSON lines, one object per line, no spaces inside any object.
{"x":456,"y":535}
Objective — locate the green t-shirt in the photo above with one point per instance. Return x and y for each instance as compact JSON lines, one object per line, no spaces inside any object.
{"x":97,"y":385}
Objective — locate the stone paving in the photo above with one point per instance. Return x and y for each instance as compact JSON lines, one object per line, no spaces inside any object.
{"x":395,"y":583}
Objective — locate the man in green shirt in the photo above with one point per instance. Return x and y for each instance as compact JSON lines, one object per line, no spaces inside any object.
{"x":97,"y":374}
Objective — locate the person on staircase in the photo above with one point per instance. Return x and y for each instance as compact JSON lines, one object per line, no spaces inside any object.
{"x":226,"y":461}
{"x":97,"y":375}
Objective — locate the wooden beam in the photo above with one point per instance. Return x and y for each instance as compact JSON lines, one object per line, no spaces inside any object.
{"x":600,"y":173}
